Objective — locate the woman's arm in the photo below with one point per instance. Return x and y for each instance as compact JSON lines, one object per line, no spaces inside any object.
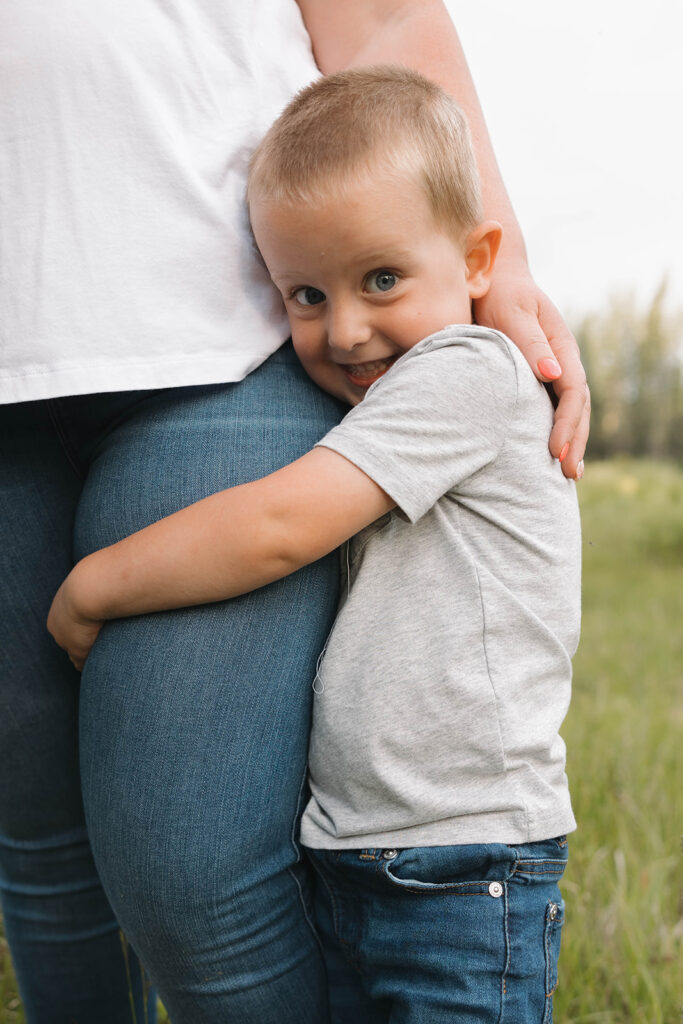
{"x":421,"y":35}
{"x":225,"y":545}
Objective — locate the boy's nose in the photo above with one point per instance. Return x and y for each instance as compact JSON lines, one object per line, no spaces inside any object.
{"x":347,"y":328}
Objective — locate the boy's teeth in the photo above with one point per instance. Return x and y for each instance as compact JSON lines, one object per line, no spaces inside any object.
{"x":368,"y":369}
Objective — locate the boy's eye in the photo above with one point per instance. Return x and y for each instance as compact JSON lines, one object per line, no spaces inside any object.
{"x":380,"y":281}
{"x":308,"y":296}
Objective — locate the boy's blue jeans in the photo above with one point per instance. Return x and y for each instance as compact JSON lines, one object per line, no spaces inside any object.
{"x":467,"y":934}
{"x":193,"y":724}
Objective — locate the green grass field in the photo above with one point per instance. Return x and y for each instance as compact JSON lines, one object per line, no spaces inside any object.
{"x":620,"y":960}
{"x":621,"y":949}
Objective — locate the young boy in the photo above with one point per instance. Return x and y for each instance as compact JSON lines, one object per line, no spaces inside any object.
{"x":436,"y":769}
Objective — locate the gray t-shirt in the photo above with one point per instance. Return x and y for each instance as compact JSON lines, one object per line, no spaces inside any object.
{"x":447,"y":673}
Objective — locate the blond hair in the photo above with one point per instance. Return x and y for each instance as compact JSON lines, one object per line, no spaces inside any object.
{"x":355,"y":120}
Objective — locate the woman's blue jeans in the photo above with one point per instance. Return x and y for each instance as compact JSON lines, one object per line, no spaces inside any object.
{"x":180,"y":826}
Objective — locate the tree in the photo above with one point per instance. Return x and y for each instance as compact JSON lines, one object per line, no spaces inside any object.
{"x":634,"y":362}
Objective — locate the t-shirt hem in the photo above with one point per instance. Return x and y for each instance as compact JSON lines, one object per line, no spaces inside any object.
{"x":106,"y":377}
{"x":411,"y":505}
{"x":471,"y":830}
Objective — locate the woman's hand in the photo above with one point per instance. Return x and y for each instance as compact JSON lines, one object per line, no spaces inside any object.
{"x":72,"y":629}
{"x":516,"y":306}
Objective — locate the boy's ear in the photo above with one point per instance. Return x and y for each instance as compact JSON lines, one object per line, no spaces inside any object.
{"x":481,"y":249}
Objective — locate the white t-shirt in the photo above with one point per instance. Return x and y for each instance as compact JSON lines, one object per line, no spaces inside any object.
{"x":126,"y":127}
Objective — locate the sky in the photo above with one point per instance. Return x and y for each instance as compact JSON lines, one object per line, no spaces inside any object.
{"x":584,"y":104}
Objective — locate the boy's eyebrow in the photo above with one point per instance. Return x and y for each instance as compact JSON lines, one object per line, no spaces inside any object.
{"x":386,"y":256}
{"x":287,"y":278}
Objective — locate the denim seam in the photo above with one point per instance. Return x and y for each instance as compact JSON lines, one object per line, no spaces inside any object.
{"x":344,"y":945}
{"x":333,"y":902}
{"x":299,"y":800}
{"x":550,"y":928}
{"x":297,"y":851}
{"x":307,"y":916}
{"x":79,"y":834}
{"x":507,"y":966}
{"x":448,"y":888}
{"x":544,"y":865}
{"x":69,"y":453}
{"x":541,"y":860}
{"x":45,"y":891}
{"x":539,"y":872}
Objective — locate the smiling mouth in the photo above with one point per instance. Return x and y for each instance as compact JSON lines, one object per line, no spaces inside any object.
{"x":365,"y":374}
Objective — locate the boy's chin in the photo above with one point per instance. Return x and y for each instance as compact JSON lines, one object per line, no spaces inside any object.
{"x":339,"y":389}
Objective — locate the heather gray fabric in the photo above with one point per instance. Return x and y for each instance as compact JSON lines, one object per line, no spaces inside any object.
{"x":447,"y":673}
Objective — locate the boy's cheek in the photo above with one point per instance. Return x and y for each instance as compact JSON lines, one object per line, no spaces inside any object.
{"x":308,"y":357}
{"x":315,"y":368}
{"x":331,"y":379}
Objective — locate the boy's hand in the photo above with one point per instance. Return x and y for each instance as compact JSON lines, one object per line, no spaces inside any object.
{"x":516,"y":306}
{"x":70,"y":627}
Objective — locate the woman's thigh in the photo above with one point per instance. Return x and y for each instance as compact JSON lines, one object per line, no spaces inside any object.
{"x":39,"y":691}
{"x":63,"y":935}
{"x":194,"y":724}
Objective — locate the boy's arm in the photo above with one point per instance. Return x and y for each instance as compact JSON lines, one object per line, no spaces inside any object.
{"x":420,"y":34}
{"x":225,"y":545}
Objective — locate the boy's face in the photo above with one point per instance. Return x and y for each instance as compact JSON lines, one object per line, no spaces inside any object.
{"x":364,"y":278}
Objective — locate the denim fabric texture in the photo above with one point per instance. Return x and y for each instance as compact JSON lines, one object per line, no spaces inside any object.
{"x":467,"y":934}
{"x":180,"y":826}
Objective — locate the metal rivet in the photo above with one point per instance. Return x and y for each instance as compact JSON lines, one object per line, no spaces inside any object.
{"x":390,"y":854}
{"x":552,"y":911}
{"x":495,"y":890}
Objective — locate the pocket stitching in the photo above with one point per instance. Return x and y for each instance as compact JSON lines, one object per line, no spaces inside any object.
{"x":475,"y":888}
{"x":552,"y":931}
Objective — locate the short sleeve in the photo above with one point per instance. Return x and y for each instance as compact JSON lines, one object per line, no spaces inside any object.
{"x":440,"y":415}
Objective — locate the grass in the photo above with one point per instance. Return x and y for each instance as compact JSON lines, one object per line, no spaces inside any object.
{"x":619,"y":959}
{"x":621,"y":948}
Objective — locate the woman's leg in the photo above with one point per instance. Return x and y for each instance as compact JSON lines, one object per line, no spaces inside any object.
{"x":194,"y":724}
{"x":67,"y":951}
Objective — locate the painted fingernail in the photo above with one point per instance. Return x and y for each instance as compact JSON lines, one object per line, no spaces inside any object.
{"x":549,"y":368}
{"x":579,"y":470}
{"x":563,"y":454}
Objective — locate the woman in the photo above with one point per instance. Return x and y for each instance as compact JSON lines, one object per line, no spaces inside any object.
{"x":131,"y":296}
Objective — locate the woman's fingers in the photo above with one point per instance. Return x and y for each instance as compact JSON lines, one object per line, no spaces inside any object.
{"x":572,"y":416}
{"x":518,"y":308}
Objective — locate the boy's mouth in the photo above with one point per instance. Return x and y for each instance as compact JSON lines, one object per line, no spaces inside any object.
{"x":365,"y":374}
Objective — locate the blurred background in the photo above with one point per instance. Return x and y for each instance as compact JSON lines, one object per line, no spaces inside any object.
{"x":583,"y":105}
